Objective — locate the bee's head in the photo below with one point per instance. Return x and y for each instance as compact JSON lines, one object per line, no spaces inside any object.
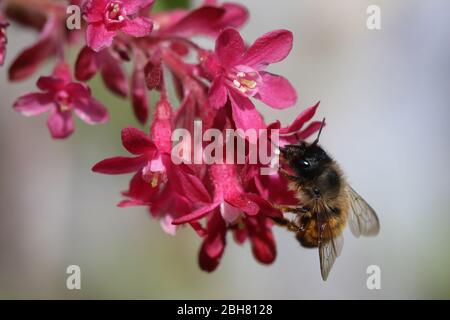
{"x":307,"y":160}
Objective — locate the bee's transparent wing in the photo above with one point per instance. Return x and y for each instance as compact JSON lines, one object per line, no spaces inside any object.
{"x":330,"y":245}
{"x":362,"y":218}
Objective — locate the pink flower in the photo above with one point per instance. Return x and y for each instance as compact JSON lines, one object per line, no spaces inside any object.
{"x":238,"y":73}
{"x":230,"y":208}
{"x":151,"y":155}
{"x":3,"y":40}
{"x":156,"y":180}
{"x":228,"y":195}
{"x":61,"y":96}
{"x":106,"y":18}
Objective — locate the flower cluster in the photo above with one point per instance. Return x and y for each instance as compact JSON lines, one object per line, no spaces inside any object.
{"x":215,"y":86}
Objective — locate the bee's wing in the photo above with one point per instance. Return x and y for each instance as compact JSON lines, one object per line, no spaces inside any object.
{"x":330,"y":245}
{"x":362,"y":218}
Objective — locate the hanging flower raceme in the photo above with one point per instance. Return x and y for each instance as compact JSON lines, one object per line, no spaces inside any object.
{"x":60,"y":96}
{"x":137,"y":52}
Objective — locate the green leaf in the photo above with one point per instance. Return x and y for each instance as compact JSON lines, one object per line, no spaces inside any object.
{"x":161,"y":5}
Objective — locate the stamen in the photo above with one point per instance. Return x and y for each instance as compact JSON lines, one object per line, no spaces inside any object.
{"x":236,"y":83}
{"x":155,"y":179}
{"x":248,"y":83}
{"x":114,"y":12}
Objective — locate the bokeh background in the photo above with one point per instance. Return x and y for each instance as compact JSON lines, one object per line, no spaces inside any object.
{"x":386,"y":97}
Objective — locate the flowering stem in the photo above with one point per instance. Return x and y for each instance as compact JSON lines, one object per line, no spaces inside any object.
{"x":186,"y":41}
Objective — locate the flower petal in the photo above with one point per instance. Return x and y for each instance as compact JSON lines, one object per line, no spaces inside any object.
{"x":97,"y":37}
{"x":218,"y":93}
{"x":136,"y":141}
{"x":310,"y":130}
{"x":196,"y":22}
{"x":230,"y":47}
{"x":90,"y":111}
{"x":229,"y":213}
{"x":132,"y":7}
{"x":34,"y":103}
{"x":62,"y":71}
{"x":50,"y":84}
{"x":245,"y":115}
{"x":113,"y":75}
{"x":167,"y":226}
{"x":276,"y":91}
{"x":213,"y":246}
{"x":204,"y":209}
{"x":60,"y":124}
{"x":78,"y":90}
{"x":161,"y":129}
{"x":244,"y":203}
{"x":189,"y":185}
{"x":31,"y":58}
{"x":140,"y":191}
{"x":87,"y":64}
{"x":263,"y":243}
{"x":235,"y":15}
{"x":138,"y":27}
{"x":301,"y":119}
{"x":120,"y":165}
{"x":93,"y":10}
{"x":270,"y":48}
{"x":139,"y":95}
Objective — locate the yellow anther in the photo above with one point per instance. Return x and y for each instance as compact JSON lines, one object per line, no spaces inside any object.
{"x":154,"y":181}
{"x":248,"y":83}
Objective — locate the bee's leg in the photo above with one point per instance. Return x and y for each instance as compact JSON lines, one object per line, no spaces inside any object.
{"x":288,"y":176}
{"x":284,"y":222}
{"x":288,"y":224}
{"x":290,"y":209}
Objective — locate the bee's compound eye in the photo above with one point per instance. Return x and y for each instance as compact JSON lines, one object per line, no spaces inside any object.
{"x":305,"y":163}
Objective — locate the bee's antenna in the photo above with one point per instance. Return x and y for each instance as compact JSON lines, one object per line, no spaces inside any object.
{"x":320,"y":131}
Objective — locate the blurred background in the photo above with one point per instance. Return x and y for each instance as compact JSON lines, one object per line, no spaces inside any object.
{"x":385,"y":94}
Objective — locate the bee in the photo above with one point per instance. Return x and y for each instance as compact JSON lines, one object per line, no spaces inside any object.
{"x":326,"y":202}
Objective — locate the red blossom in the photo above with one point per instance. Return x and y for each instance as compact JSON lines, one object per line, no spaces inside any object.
{"x":106,"y":18}
{"x":60,"y":97}
{"x":238,"y":72}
